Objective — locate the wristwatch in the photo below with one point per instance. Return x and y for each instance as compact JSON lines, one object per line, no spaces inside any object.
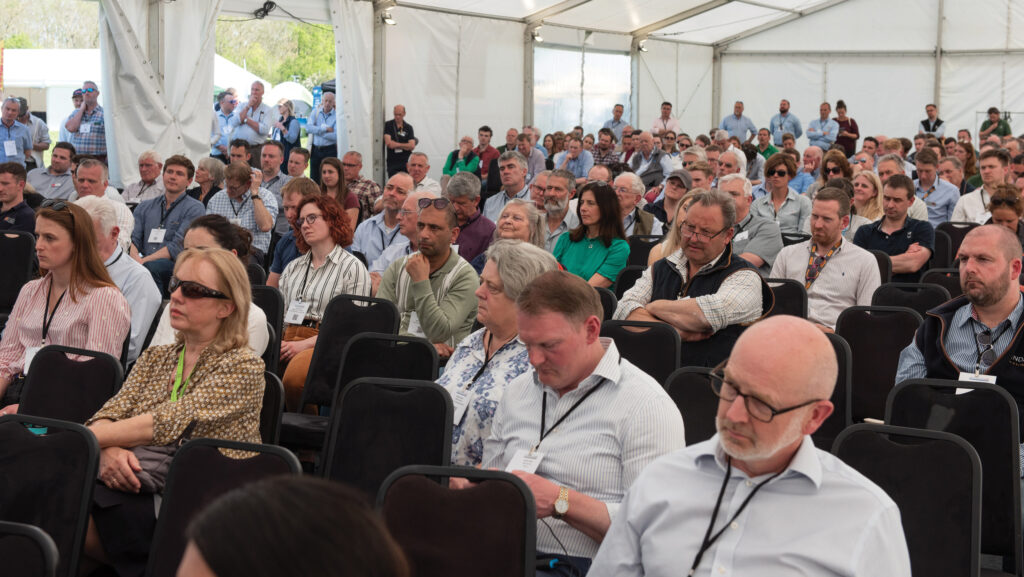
{"x":562,"y":503}
{"x":255,"y":197}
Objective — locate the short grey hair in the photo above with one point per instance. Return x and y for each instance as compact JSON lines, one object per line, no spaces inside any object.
{"x":635,"y":183}
{"x":91,"y":162}
{"x":463,"y":185}
{"x":101,"y":210}
{"x":721,"y":135}
{"x":569,"y":177}
{"x":151,"y":155}
{"x":747,"y":187}
{"x":425,"y":157}
{"x":891,"y":158}
{"x":518,"y":263}
{"x":741,"y":159}
{"x":215,"y":168}
{"x":696,"y":151}
{"x":513,"y":155}
{"x":952,"y":160}
{"x":720,"y":199}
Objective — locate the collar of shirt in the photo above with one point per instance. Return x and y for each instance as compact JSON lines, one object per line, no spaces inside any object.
{"x":14,"y":208}
{"x":963,"y":316}
{"x":678,"y":259}
{"x":114,"y":256}
{"x":609,"y":367}
{"x":811,"y":245}
{"x":629,"y":219}
{"x":521,"y":194}
{"x":742,"y":225}
{"x":804,"y":463}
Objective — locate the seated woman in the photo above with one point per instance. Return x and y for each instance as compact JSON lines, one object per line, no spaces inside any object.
{"x":215,"y":231}
{"x":207,"y":384}
{"x":485,"y":361}
{"x":519,"y":220}
{"x":309,"y":282}
{"x":332,"y":184}
{"x":462,"y":159}
{"x":867,"y":196}
{"x":673,"y":239}
{"x":209,"y":179}
{"x":1007,"y":208}
{"x":75,"y":304}
{"x":833,"y":165}
{"x":596,"y":250}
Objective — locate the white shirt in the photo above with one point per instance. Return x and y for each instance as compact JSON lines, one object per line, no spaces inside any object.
{"x":140,"y":290}
{"x":428,"y":185}
{"x":259,"y":338}
{"x":972,"y":207}
{"x":125,"y":219}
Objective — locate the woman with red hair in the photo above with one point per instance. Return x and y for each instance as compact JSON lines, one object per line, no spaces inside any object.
{"x":309,"y":282}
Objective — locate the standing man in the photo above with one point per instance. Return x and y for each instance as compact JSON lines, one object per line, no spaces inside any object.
{"x":254,"y":120}
{"x":616,"y":123}
{"x":665,"y":121}
{"x":738,"y":125}
{"x":271,"y":157}
{"x":150,"y":184}
{"x":475,"y":229}
{"x":76,"y":102}
{"x":822,"y":131}
{"x":14,"y":213}
{"x":933,"y":125}
{"x":225,"y":127}
{"x":485,"y":151}
{"x":56,"y":181}
{"x":380,"y":231}
{"x":39,"y":132}
{"x":938,"y":195}
{"x":908,"y":242}
{"x":784,"y":123}
{"x":512,"y":166}
{"x":399,"y":141}
{"x":418,"y":167}
{"x":560,"y":189}
{"x":367,"y":191}
{"x":323,"y":138}
{"x":15,"y":137}
{"x":245,"y":203}
{"x":575,"y":160}
{"x":87,"y":125}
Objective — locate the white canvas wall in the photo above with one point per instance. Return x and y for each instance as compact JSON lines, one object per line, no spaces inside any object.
{"x":680,"y":74}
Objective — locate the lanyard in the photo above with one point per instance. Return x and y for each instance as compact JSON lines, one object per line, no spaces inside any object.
{"x":487,"y":360}
{"x":710,"y":539}
{"x":47,"y":321}
{"x":240,"y":207}
{"x":305,"y":277}
{"x":808,"y":279}
{"x":384,"y":244}
{"x":179,"y":386}
{"x":544,"y":413}
{"x":165,"y":213}
{"x":119,"y":255}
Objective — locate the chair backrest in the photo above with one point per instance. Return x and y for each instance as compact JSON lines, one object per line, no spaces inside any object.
{"x":453,"y":532}
{"x":344,"y":317}
{"x":380,"y":425}
{"x":841,"y":403}
{"x":272,"y":354}
{"x":948,"y":278}
{"x":935,"y":480}
{"x":17,"y":252}
{"x":270,"y":300}
{"x":61,"y":388}
{"x":789,"y":238}
{"x":640,"y":246}
{"x":27,"y":550}
{"x":790,"y":297}
{"x":153,"y":325}
{"x":956,"y":230}
{"x":48,"y":480}
{"x":884,"y":265}
{"x":257,"y":275}
{"x":876,"y":336}
{"x":652,"y":347}
{"x":942,"y":252}
{"x":986,"y":417}
{"x":690,"y":388}
{"x":199,"y":474}
{"x":385,"y":356}
{"x":273,"y":409}
{"x":921,"y":297}
{"x":627,"y":278}
{"x":608,"y":302}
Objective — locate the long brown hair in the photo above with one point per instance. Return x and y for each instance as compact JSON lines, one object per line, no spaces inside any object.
{"x":609,"y":226}
{"x":87,"y":270}
{"x":342,"y":185}
{"x":335,"y":217}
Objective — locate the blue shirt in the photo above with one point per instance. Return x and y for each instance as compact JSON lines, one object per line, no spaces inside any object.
{"x":801,"y":181}
{"x":494,"y":205}
{"x":822,"y":133}
{"x":242,"y":212}
{"x":780,"y":125}
{"x":372,"y":237}
{"x":226,"y":130}
{"x":284,"y":252}
{"x":154,"y":213}
{"x":871,"y":237}
{"x":318,"y":125}
{"x":738,"y":127}
{"x":578,"y":166}
{"x":615,"y":127}
{"x":22,"y":138}
{"x":940,"y":199}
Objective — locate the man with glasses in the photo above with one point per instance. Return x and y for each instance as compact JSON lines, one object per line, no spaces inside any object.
{"x":512,"y":166}
{"x":87,"y":125}
{"x":245,"y":203}
{"x":783,"y":507}
{"x":938,"y":195}
{"x":909,"y":242}
{"x":150,"y":184}
{"x":757,"y":240}
{"x":651,"y":164}
{"x":701,"y":290}
{"x":537,"y":188}
{"x":224,"y":129}
{"x":863,"y":161}
{"x":475,"y":230}
{"x":367,"y":191}
{"x":630,"y":189}
{"x":409,"y":241}
{"x":380,"y":231}
{"x":434,"y":287}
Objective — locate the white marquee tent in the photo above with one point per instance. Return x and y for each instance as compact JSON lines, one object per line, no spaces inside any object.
{"x":458,"y":64}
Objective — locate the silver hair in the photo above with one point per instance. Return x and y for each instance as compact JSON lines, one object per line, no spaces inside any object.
{"x":101,"y":210}
{"x":425,"y":158}
{"x":952,"y":160}
{"x":747,"y":187}
{"x":635,"y":183}
{"x":720,"y":199}
{"x":513,"y":155}
{"x":463,"y":185}
{"x":721,"y":135}
{"x":741,"y":159}
{"x":569,"y":177}
{"x":518,"y":263}
{"x":537,"y":221}
{"x":892,"y":157}
{"x":215,"y":168}
{"x":698,"y":152}
{"x":151,"y":155}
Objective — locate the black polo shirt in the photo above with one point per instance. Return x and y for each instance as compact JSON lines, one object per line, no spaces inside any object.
{"x":20,"y":217}
{"x":396,"y":158}
{"x":871,"y":237}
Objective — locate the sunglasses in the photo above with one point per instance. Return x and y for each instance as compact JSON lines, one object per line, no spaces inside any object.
{"x":59,"y":205}
{"x":438,"y":203}
{"x":1003,"y":201}
{"x":779,"y":173}
{"x":194,"y":290}
{"x":89,"y":90}
{"x":834,"y":170}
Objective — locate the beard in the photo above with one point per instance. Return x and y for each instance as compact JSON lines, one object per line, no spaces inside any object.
{"x":987,"y":294}
{"x":759,"y":449}
{"x":555,"y":208}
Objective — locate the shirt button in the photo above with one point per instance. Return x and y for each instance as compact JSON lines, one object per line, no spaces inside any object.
{"x":735,"y":525}
{"x":750,"y":484}
{"x":721,"y":570}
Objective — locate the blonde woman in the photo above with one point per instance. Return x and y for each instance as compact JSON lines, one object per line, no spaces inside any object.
{"x":674,"y":240}
{"x":867,"y":195}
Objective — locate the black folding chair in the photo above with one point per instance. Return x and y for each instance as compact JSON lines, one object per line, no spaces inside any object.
{"x":942,"y":253}
{"x":921,"y":297}
{"x":49,"y":475}
{"x":17,"y":252}
{"x":947,"y":278}
{"x":652,"y":347}
{"x":935,"y":479}
{"x":201,"y":472}
{"x":790,"y":297}
{"x":627,"y":278}
{"x":987,"y":417}
{"x":608,"y":302}
{"x":269,"y":299}
{"x":956,"y":231}
{"x":153,"y":325}
{"x":789,"y":238}
{"x":841,"y":402}
{"x":257,"y":274}
{"x":690,"y":388}
{"x":640,"y":246}
{"x":272,"y":410}
{"x":884,"y":265}
{"x":366,"y":355}
{"x":876,"y":336}
{"x":27,"y":550}
{"x":448,"y":532}
{"x":378,"y":425}
{"x":272,"y":354}
{"x":58,"y":387}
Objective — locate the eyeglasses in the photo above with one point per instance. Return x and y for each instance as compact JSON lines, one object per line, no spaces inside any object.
{"x":690,"y":231}
{"x":89,"y":90}
{"x":349,"y":164}
{"x":986,"y":354}
{"x":310,"y":218}
{"x":438,"y":203}
{"x":194,"y":290}
{"x":756,"y":408}
{"x":779,"y":173}
{"x":1005,"y":201}
{"x":726,"y":165}
{"x":834,"y":170}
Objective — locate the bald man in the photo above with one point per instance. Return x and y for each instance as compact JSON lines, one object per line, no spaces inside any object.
{"x":787,"y":507}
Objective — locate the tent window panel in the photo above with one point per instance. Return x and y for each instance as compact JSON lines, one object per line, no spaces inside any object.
{"x":557,"y":75}
{"x":606,"y":81}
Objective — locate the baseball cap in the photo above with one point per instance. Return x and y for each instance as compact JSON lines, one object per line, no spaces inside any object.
{"x":684,"y":176}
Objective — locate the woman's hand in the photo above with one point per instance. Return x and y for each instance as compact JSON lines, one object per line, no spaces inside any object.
{"x":291,"y":348}
{"x":117,"y":469}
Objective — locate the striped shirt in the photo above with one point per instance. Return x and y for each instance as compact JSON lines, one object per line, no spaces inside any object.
{"x":341,"y":273}
{"x":599,"y":449}
{"x":222,"y":204}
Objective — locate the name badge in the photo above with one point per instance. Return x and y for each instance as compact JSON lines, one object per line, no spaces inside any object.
{"x":461,"y":402}
{"x":156,"y":236}
{"x":973,"y":378}
{"x":414,"y":325}
{"x":741,"y":236}
{"x":85,"y":128}
{"x":296,"y":312}
{"x":225,"y":130}
{"x":10,"y":148}
{"x":983,"y":217}
{"x":30,"y":354}
{"x":236,"y":221}
{"x":524,"y":460}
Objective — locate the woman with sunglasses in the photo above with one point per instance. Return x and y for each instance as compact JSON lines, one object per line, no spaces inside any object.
{"x":596,"y":250}
{"x":332,"y":184}
{"x":75,"y":303}
{"x":215,"y":231}
{"x":867,"y":195}
{"x":833,"y":165}
{"x":783,"y":204}
{"x":309,"y":282}
{"x":1007,"y":208}
{"x":208,"y":384}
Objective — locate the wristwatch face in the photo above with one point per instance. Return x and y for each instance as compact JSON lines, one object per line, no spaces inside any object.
{"x":562,"y":506}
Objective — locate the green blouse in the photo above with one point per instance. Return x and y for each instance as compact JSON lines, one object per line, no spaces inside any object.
{"x":590,"y":256}
{"x":455,"y":165}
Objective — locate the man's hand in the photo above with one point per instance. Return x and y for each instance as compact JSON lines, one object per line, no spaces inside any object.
{"x":914,"y":248}
{"x":545,"y":493}
{"x":243,"y":114}
{"x":418,"y":267}
{"x":117,"y":469}
{"x":257,"y":180}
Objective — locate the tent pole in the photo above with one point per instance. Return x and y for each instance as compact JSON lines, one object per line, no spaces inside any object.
{"x":716,"y":85}
{"x":528,"y":74}
{"x":937,"y":96}
{"x":378,"y":92}
{"x":155,"y":39}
